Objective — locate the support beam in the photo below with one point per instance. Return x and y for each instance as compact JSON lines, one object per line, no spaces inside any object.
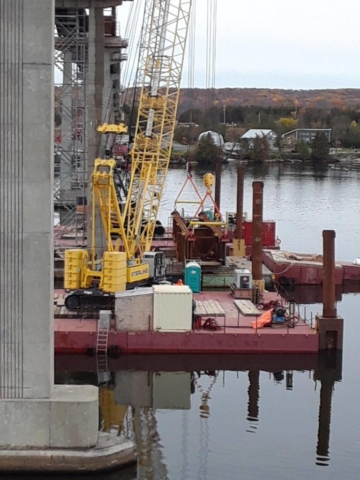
{"x":257,"y":227}
{"x":89,"y":3}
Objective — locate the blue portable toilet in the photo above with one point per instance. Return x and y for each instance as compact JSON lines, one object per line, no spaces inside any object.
{"x":193,"y":276}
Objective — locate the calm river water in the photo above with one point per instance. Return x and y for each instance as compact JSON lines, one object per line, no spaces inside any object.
{"x":262,"y":422}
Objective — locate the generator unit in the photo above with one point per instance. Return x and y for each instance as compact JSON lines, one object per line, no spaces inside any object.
{"x":279,"y":315}
{"x":156,"y":262}
{"x":243,"y":278}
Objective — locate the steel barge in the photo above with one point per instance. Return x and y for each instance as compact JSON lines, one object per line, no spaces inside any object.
{"x":234,"y":333}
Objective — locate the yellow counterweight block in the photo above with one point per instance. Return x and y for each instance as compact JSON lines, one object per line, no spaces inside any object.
{"x":75,"y":263}
{"x":114,"y":272}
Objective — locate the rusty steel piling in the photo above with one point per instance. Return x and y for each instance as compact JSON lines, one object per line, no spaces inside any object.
{"x":330,"y":326}
{"x":329,"y":295}
{"x":239,"y":203}
{"x":239,"y":249}
{"x":257,"y":227}
{"x":217,"y":183}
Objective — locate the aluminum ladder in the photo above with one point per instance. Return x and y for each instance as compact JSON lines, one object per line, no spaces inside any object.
{"x":103,"y":328}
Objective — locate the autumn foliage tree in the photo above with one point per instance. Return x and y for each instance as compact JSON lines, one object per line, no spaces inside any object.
{"x":286,"y":124}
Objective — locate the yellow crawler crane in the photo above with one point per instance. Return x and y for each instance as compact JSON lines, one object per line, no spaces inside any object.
{"x":130,"y":262}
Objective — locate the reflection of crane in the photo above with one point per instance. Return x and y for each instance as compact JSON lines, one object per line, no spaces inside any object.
{"x":143,"y":425}
{"x":113,"y":415}
{"x":162,"y":49}
{"x":205,"y":393}
{"x":150,"y":458}
{"x":204,"y":427}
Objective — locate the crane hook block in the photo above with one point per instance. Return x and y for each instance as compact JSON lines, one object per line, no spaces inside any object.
{"x":208,"y":180}
{"x":111,"y":128}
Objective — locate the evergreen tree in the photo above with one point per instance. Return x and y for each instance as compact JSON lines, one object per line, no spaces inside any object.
{"x":320,"y":147}
{"x":304,"y":151}
{"x":207,"y":151}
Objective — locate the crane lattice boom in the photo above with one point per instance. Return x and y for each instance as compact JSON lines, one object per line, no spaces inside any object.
{"x":162,"y":51}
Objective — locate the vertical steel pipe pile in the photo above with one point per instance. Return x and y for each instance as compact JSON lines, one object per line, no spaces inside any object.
{"x":329,"y":295}
{"x":257,"y":227}
{"x":217,"y":182}
{"x":239,"y":203}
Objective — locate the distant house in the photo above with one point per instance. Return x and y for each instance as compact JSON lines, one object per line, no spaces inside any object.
{"x":305,"y":135}
{"x":253,"y":133}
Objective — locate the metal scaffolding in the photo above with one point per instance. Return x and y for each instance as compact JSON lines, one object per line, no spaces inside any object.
{"x":71,"y":52}
{"x":71,"y":112}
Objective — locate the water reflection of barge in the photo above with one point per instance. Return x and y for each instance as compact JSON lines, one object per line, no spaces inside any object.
{"x":136,"y":386}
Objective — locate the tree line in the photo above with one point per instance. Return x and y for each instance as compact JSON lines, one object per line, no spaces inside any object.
{"x":345,"y":123}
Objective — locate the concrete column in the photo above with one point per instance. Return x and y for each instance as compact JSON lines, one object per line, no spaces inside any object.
{"x":108,"y":87}
{"x":238,"y":242}
{"x":53,"y":426}
{"x":95,"y":88}
{"x":66,"y":128}
{"x":257,"y":224}
{"x":26,"y":189}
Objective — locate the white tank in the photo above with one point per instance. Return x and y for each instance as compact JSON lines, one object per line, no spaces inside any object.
{"x":217,"y":138}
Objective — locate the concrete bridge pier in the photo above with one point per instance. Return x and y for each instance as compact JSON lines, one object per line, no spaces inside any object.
{"x":44,"y":426}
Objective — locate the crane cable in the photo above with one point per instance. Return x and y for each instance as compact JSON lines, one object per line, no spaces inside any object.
{"x":211,"y":32}
{"x":132,"y":32}
{"x":191,"y":60}
{"x":134,"y":35}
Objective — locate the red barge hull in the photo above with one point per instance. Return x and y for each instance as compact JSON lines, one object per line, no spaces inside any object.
{"x":80,"y":338}
{"x":236,"y":336}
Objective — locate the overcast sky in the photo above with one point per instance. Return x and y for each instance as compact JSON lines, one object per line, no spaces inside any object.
{"x":301,"y":44}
